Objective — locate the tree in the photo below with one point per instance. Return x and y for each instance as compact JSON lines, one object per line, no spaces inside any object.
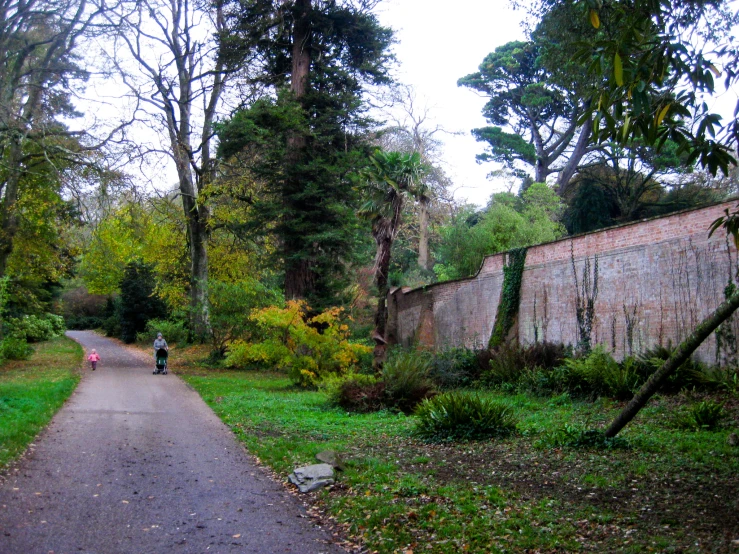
{"x":233,"y":305}
{"x":39,"y":41}
{"x":42,"y":255}
{"x":626,"y":183}
{"x":659,"y":59}
{"x":299,"y":145}
{"x":179,"y":70}
{"x":138,"y":301}
{"x":391,"y":178}
{"x":115,"y":242}
{"x":507,"y":222}
{"x":543,"y":115}
{"x":410,"y":131}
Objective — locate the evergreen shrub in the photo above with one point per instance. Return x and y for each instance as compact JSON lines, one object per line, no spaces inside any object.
{"x":706,"y":415}
{"x":688,"y":375}
{"x":406,"y":375}
{"x":455,"y":368}
{"x":32,"y":328}
{"x":599,"y":374}
{"x":457,"y":415}
{"x":15,"y":348}
{"x":512,"y":366}
{"x":174,"y":332}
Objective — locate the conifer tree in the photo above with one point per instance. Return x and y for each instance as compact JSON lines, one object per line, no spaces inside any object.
{"x":299,"y":145}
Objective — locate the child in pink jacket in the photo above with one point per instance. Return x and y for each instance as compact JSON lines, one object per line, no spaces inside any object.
{"x":94,"y":358}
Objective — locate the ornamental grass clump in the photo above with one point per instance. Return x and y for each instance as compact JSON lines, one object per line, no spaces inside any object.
{"x":706,"y":415}
{"x":406,"y":376}
{"x":598,"y":374}
{"x":461,"y":416}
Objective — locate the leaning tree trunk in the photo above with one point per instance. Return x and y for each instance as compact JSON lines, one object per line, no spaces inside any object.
{"x":581,"y":147}
{"x":423,"y":232}
{"x":678,"y":357}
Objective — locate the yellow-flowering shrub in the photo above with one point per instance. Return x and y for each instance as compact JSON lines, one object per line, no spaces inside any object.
{"x":306,"y":347}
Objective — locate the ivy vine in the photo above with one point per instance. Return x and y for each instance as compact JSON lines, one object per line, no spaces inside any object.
{"x":510,"y":296}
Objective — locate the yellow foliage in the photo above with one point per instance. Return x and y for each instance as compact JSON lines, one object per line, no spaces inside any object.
{"x":306,"y":347}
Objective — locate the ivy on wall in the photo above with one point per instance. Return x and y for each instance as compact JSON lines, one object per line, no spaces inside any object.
{"x":510,"y":296}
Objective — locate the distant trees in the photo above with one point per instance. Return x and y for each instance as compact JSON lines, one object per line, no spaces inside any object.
{"x":543,"y":114}
{"x":410,"y":129}
{"x":507,"y":222}
{"x":178,"y":76}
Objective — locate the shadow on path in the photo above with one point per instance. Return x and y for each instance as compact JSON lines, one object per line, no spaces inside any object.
{"x":137,"y":463}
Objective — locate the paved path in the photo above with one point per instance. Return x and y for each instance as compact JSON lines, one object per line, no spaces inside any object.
{"x":137,"y":463}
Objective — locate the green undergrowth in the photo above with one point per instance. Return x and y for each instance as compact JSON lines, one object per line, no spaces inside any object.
{"x":550,"y":486}
{"x":31,"y":392}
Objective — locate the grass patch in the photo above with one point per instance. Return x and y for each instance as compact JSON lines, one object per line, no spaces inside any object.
{"x":31,"y":392}
{"x":671,"y":490}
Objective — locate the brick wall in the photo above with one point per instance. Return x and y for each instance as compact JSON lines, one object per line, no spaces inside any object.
{"x":656,"y":279}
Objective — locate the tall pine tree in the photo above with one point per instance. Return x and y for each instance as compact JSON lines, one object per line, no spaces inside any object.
{"x":299,"y":145}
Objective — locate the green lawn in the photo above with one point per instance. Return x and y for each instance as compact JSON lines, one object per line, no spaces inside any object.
{"x":667,"y":490}
{"x":32,"y":391}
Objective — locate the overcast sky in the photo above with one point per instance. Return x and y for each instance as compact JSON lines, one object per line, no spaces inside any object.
{"x":439,"y":42}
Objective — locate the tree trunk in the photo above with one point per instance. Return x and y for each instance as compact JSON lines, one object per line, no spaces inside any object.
{"x":8,"y":216}
{"x":196,"y":215}
{"x":678,"y":357}
{"x":541,"y":171}
{"x":568,"y":171}
{"x":423,"y":232}
{"x":199,"y":277}
{"x":384,"y":239}
{"x":300,"y":277}
{"x":300,"y":51}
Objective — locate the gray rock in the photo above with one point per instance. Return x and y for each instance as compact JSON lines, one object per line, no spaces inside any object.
{"x":332,"y":458}
{"x":310,"y":478}
{"x":733,"y":439}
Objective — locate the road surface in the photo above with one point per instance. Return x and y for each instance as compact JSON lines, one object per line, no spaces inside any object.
{"x":137,"y":463}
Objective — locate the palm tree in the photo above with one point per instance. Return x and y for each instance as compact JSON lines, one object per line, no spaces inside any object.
{"x":391,"y":178}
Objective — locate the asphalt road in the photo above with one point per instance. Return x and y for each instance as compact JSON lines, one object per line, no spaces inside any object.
{"x":137,"y":463}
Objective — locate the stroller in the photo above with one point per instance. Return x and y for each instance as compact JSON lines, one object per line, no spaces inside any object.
{"x":161,"y":357}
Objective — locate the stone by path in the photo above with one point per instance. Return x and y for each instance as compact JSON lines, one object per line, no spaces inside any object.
{"x":137,"y":463}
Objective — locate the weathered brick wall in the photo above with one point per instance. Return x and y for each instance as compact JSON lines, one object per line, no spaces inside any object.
{"x":656,"y":279}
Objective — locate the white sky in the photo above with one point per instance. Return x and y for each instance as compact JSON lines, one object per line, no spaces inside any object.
{"x":439,"y":42}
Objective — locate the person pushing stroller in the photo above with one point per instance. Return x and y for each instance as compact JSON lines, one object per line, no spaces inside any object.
{"x":161,"y":353}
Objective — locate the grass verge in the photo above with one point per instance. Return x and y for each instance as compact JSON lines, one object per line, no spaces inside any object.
{"x":664,"y":489}
{"x":31,"y":392}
